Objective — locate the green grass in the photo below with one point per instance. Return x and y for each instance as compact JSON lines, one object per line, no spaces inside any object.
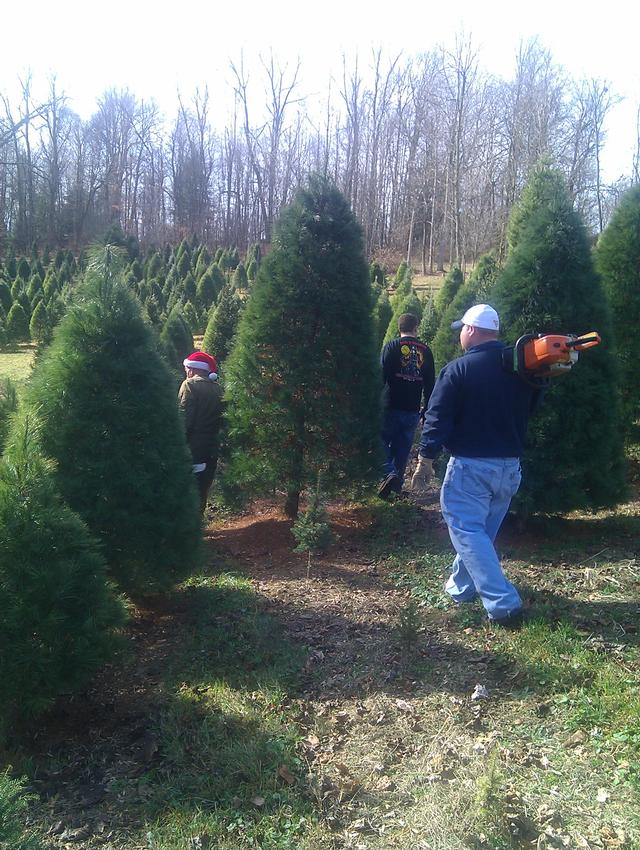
{"x":223,"y":734}
{"x":15,"y":363}
{"x":224,"y":731}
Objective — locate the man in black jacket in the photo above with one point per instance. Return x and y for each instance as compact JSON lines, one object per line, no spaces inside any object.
{"x":408,"y":374}
{"x":479,"y":412}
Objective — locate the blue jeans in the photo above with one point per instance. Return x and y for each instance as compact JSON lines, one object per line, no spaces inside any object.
{"x":398,"y":431}
{"x":475,"y":497}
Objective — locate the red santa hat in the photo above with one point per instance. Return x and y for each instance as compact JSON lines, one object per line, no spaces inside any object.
{"x":204,"y":362}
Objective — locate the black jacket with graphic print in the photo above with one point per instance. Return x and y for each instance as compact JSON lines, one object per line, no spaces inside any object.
{"x":408,"y":373}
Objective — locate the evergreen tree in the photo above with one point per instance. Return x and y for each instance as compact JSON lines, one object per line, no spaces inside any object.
{"x":218,"y":278}
{"x":234,"y":259}
{"x":14,"y":809}
{"x":206,"y":291}
{"x":222,"y":325}
{"x":404,"y":287}
{"x":24,"y":302}
{"x":40,"y":326}
{"x":17,"y":327}
{"x":452,"y":283}
{"x":429,"y":323}
{"x":177,"y":338}
{"x":311,"y":530}
{"x":401,"y":273}
{"x":58,"y":615}
{"x":202,"y":263}
{"x":24,"y":269}
{"x":382,"y":314}
{"x":574,"y":457}
{"x":183,"y":266}
{"x":110,"y":421}
{"x":476,"y":290}
{"x":618,"y":261}
{"x":6,"y":299}
{"x":252,"y":271}
{"x":190,"y":315}
{"x":189,"y":288}
{"x":154,"y":265}
{"x":240,"y":280}
{"x":136,"y":270}
{"x":34,"y":287}
{"x":409,"y":304}
{"x":51,"y":285}
{"x":303,"y":381}
{"x":17,"y":288}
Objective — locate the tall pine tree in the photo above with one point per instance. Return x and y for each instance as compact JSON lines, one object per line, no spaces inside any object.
{"x":574,"y":457}
{"x":302,"y":379}
{"x":618,"y":261}
{"x":106,"y":403}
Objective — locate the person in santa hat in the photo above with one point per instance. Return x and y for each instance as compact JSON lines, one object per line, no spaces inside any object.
{"x":200,"y":399}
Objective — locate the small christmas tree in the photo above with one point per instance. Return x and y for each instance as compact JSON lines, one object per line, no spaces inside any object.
{"x":382,"y":314}
{"x":58,"y":614}
{"x":409,"y":304}
{"x":222,"y":324}
{"x":239,"y":279}
{"x":17,"y":325}
{"x":452,"y":283}
{"x":311,"y":529}
{"x":40,"y":325}
{"x":446,"y":343}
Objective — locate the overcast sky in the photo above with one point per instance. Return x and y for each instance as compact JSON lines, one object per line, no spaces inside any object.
{"x":153,"y":49}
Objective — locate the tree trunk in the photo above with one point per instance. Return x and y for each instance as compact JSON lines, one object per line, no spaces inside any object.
{"x":292,"y":504}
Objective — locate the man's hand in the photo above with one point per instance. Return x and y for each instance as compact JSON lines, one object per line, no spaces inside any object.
{"x":422,"y":475}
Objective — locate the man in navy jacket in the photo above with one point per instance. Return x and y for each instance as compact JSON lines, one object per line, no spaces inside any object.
{"x":479,"y":412}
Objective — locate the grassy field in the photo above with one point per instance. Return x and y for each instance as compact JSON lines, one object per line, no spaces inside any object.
{"x":15,"y":362}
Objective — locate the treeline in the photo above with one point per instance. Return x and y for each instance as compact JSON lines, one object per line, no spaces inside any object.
{"x":430,"y":151}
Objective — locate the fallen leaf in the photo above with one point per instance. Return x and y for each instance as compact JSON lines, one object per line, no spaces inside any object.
{"x":285,"y":773}
{"x":258,"y":801}
{"x":480,"y":692}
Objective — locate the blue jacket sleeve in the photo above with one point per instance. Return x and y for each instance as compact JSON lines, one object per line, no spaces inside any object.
{"x":440,"y":416}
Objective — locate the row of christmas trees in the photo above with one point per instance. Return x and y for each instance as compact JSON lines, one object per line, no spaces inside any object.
{"x":96,"y":495}
{"x":186,"y":281}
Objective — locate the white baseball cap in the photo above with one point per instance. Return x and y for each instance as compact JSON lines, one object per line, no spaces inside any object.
{"x":480,"y":316}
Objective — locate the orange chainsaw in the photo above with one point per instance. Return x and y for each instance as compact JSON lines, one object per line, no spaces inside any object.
{"x":536,"y":358}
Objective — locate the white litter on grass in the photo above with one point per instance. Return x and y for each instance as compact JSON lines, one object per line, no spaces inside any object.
{"x":480,"y":692}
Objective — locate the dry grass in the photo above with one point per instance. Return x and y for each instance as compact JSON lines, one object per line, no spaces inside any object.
{"x":15,"y":362}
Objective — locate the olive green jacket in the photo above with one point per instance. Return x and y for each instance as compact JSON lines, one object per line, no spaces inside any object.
{"x":201,"y":402}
